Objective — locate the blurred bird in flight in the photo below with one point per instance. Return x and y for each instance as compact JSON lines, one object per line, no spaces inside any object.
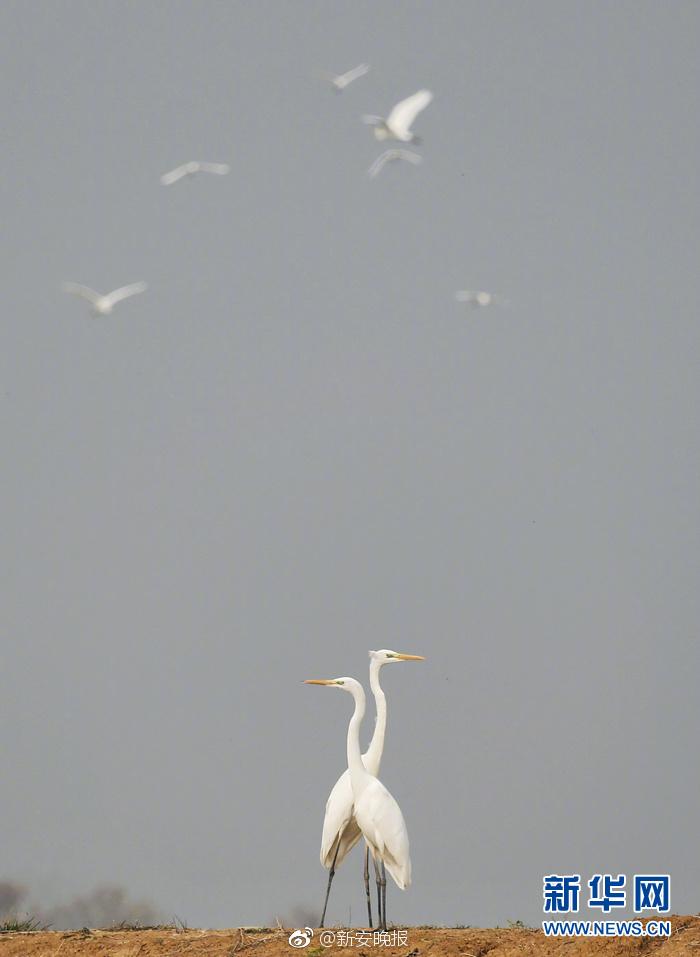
{"x":101,"y":304}
{"x":478,"y":299}
{"x":398,"y":123}
{"x":391,"y":156}
{"x":340,"y":81}
{"x":191,"y":169}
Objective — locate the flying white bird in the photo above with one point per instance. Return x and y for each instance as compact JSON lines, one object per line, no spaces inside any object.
{"x":398,"y":123}
{"x":391,"y":156}
{"x":340,"y":829}
{"x":341,"y":80}
{"x":102,"y":305}
{"x":191,"y":169}
{"x":478,"y":299}
{"x":376,"y":812}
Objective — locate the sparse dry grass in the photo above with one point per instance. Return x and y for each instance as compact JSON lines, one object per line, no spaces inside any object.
{"x":21,"y":925}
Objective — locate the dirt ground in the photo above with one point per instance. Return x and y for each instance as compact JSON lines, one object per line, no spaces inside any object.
{"x":419,"y":942}
{"x":273,"y":942}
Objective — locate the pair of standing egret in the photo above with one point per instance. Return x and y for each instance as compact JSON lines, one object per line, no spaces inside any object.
{"x":359,"y":805}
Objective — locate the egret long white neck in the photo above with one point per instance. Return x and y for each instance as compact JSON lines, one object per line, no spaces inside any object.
{"x":375,"y":750}
{"x":358,"y":772}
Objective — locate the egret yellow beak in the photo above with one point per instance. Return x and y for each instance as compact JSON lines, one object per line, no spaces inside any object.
{"x":319,"y":681}
{"x":410,"y":657}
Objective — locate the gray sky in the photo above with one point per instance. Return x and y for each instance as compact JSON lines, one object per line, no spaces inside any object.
{"x":297,"y":446}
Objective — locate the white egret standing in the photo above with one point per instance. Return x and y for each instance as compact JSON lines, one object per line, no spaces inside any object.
{"x":102,"y":305}
{"x":391,"y":156}
{"x":340,"y":829}
{"x":192,"y":168}
{"x":398,"y":123}
{"x":341,"y":80}
{"x":376,"y":811}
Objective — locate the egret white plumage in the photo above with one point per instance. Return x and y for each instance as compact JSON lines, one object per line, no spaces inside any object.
{"x":192,"y":168}
{"x":476,"y":299}
{"x":340,"y":829}
{"x":392,"y":156}
{"x":101,"y":304}
{"x":375,"y":811}
{"x":398,"y":123}
{"x":342,"y":80}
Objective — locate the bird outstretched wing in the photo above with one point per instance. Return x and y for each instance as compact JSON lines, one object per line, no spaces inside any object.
{"x":380,"y":162}
{"x":167,"y":179}
{"x":388,"y":155}
{"x":220,"y":169}
{"x":410,"y":157}
{"x":125,"y":291}
{"x":345,"y":79}
{"x":404,"y":113}
{"x":75,"y":289}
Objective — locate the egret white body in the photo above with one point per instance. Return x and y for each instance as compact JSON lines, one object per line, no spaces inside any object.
{"x":102,"y":305}
{"x":398,"y":123}
{"x":192,"y":168}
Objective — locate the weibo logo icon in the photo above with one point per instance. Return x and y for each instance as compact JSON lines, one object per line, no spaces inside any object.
{"x":301,"y":938}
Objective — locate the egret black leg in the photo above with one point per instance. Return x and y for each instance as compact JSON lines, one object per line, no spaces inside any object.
{"x":330,"y":881}
{"x":367,"y":894}
{"x":383,"y":883}
{"x":378,"y":877}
